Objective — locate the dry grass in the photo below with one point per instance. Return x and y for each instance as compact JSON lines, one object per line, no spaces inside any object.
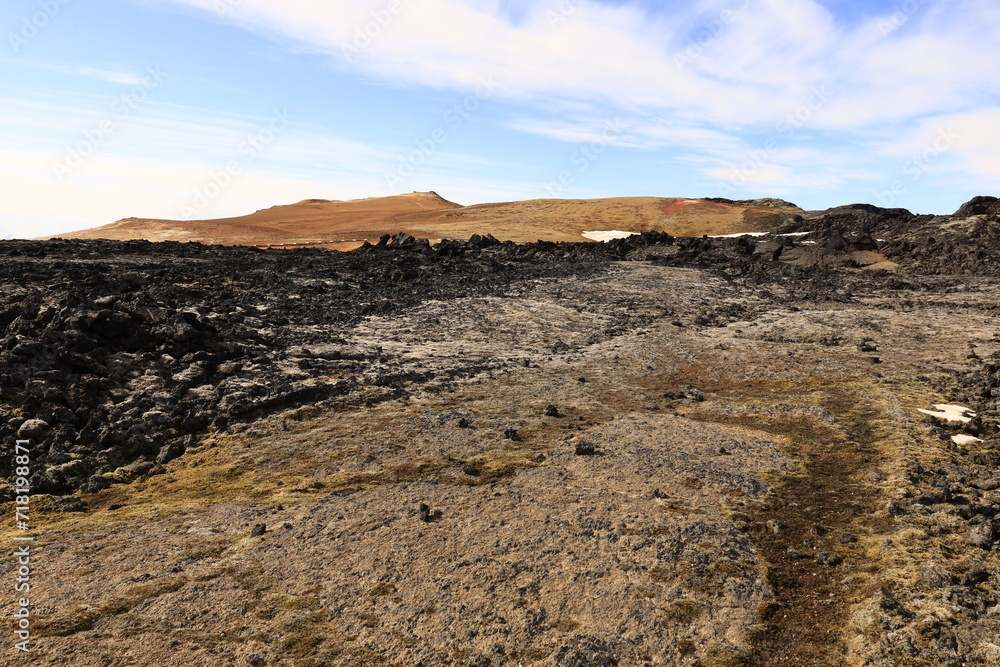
{"x":82,"y":617}
{"x":564,"y":625}
{"x":305,"y":633}
{"x":724,"y":655}
{"x":682,"y":611}
{"x":343,"y":225}
{"x":826,"y":488}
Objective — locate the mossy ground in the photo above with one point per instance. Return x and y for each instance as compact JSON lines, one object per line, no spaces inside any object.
{"x":837,"y":487}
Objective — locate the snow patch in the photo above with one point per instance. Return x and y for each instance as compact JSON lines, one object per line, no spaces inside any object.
{"x":952,"y":413}
{"x":965,"y":439}
{"x":736,"y":236}
{"x":607,"y":236}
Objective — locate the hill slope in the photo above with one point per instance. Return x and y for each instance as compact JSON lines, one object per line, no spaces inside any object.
{"x":346,"y":224}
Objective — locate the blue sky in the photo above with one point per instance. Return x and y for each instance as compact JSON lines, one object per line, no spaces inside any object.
{"x":208,"y":108}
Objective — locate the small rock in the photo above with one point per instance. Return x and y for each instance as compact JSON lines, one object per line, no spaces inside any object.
{"x":723,"y":451}
{"x":829,"y":559}
{"x":981,"y":536}
{"x":71,"y":504}
{"x":935,"y":577}
{"x":170,"y":451}
{"x":32,"y":429}
{"x":687,"y":393}
{"x":258,"y":530}
{"x":584,"y":448}
{"x":464,"y":423}
{"x":116,"y":506}
{"x":255,"y":660}
{"x":230,"y":367}
{"x":847,"y":538}
{"x":775,"y":526}
{"x":479,"y":661}
{"x":426,"y":515}
{"x":511,"y":434}
{"x":796,"y":553}
{"x":976,"y":574}
{"x":935,"y":497}
{"x":470,"y":470}
{"x":551,"y":411}
{"x":156,"y":417}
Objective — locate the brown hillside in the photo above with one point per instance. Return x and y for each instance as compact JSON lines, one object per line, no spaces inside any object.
{"x":346,"y":224}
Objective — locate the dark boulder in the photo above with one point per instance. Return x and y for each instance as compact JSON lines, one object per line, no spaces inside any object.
{"x":982,"y":205}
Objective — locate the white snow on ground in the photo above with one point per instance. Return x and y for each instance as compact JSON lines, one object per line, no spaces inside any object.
{"x":965,"y":439}
{"x":617,"y":234}
{"x":736,"y":236}
{"x":607,"y":236}
{"x":953,"y":413}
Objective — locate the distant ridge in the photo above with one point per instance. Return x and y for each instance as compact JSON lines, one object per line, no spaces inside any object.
{"x":347,"y":224}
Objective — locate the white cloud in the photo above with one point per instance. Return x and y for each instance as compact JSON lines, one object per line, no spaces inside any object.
{"x":714,"y":79}
{"x":970,"y":141}
{"x":156,"y":163}
{"x":753,"y":66}
{"x":110,"y":76}
{"x":117,"y":187}
{"x":702,"y":78}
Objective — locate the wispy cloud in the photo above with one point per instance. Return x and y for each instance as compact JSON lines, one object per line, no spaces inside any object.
{"x":783,"y":96}
{"x":110,"y":76}
{"x":757,"y":62}
{"x":616,"y":55}
{"x":156,"y":162}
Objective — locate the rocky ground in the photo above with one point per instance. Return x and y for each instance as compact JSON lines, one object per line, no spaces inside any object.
{"x":652,"y":451}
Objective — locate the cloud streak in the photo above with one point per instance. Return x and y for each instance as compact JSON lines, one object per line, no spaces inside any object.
{"x":158,"y":162}
{"x":758,"y":66}
{"x":106,"y":75}
{"x":757,"y":62}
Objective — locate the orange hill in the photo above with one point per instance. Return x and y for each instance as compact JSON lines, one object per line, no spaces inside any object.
{"x":347,"y":224}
